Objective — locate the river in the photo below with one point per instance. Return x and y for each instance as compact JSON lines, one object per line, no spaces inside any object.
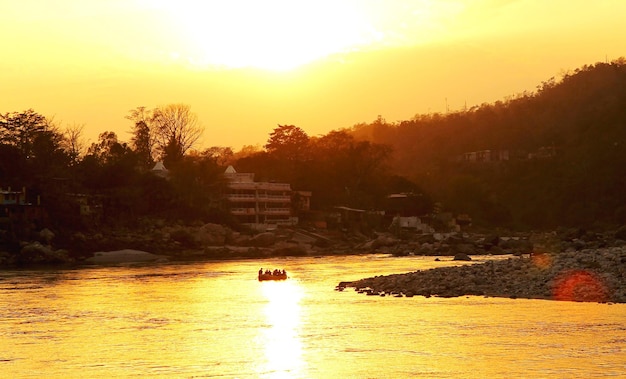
{"x":215,"y":320}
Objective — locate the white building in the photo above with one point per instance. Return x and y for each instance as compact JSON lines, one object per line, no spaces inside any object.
{"x":261,"y":205}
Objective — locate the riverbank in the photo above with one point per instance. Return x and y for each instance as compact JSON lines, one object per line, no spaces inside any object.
{"x":567,"y":250}
{"x":591,"y":275}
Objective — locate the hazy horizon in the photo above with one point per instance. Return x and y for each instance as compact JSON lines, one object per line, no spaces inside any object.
{"x":245,"y":67}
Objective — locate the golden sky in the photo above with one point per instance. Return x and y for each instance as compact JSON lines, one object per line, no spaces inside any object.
{"x":245,"y":66}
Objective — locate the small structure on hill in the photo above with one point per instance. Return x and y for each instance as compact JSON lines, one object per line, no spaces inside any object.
{"x":160,"y":170}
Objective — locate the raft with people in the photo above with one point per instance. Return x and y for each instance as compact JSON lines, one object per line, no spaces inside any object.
{"x":272,"y":275}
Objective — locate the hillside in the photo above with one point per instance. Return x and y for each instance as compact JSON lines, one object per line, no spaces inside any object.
{"x":554,"y":157}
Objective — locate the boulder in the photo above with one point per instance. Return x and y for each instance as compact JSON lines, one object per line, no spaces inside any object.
{"x":426,"y":238}
{"x":490,"y":241}
{"x":264,"y":239}
{"x":211,"y":235}
{"x":621,"y":233}
{"x":123,"y":256}
{"x":517,"y":246}
{"x":384,"y":241}
{"x":46,"y":235}
{"x":37,"y":253}
{"x":463,"y":248}
{"x":462,"y":257}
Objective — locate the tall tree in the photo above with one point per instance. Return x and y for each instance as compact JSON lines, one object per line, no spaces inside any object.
{"x":176,"y":129}
{"x":108,"y":149}
{"x":288,"y":142}
{"x":73,"y":142}
{"x":143,"y":136}
{"x":21,"y":129}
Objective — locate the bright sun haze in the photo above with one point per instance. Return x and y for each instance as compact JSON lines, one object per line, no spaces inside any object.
{"x":274,"y":35}
{"x":244,"y":66}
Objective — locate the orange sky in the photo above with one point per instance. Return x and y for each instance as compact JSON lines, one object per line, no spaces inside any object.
{"x":245,"y":66}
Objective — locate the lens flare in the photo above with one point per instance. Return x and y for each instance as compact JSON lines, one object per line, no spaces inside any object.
{"x":579,"y":285}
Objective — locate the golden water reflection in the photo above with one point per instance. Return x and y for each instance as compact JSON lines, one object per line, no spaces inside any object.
{"x":283,"y":347}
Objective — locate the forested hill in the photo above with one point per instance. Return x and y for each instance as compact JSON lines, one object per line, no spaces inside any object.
{"x":554,"y":157}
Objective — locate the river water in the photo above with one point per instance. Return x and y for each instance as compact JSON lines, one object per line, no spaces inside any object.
{"x":215,"y":320}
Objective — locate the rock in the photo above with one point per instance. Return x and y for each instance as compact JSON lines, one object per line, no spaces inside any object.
{"x":461,"y":257}
{"x":36,"y":253}
{"x":384,"y":241}
{"x":596,"y":275}
{"x":289,"y":249}
{"x":265,"y":239}
{"x":621,"y":233}
{"x":490,"y":241}
{"x":6,"y":258}
{"x":426,"y":239}
{"x":46,"y":235}
{"x":496,"y":250}
{"x":80,"y":237}
{"x":516,"y":246}
{"x":123,"y":256}
{"x":462,"y":248}
{"x":211,"y":235}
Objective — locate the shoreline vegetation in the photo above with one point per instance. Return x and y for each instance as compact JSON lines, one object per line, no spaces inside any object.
{"x":537,"y":160}
{"x":569,"y":264}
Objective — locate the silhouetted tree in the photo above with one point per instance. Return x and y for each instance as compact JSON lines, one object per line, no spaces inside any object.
{"x":73,"y":142}
{"x":143,"y":136}
{"x":21,"y":129}
{"x":199,"y":184}
{"x":288,"y":142}
{"x":221,"y":155}
{"x":176,"y":129}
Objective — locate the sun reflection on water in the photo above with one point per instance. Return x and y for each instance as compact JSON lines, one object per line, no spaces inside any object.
{"x":283,"y":347}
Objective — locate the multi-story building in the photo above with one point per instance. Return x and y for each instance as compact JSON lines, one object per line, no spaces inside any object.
{"x":18,"y":218}
{"x":8,"y":197}
{"x":261,"y":205}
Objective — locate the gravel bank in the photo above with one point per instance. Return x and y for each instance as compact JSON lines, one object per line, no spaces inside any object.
{"x":593,"y":275}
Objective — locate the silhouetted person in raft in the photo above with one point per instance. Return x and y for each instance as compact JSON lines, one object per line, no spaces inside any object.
{"x":261,"y":271}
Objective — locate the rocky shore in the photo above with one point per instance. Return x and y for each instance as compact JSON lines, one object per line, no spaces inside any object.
{"x":212,"y":241}
{"x":569,"y":264}
{"x":592,"y":275}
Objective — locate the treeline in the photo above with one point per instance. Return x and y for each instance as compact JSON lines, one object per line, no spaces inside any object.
{"x":560,"y":161}
{"x":60,"y":171}
{"x":565,"y":145}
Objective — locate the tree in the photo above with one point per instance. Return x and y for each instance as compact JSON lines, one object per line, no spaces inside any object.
{"x":73,"y":143}
{"x":21,"y":129}
{"x":144,"y":138}
{"x":35,"y":144}
{"x":176,"y":130}
{"x":105,"y":149}
{"x":221,"y":155}
{"x":288,"y":142}
{"x":346,"y":171}
{"x":199,"y":184}
{"x":47,"y":157}
{"x":109,"y":163}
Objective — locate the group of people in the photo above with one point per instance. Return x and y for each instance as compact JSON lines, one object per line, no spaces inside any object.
{"x":276,"y":272}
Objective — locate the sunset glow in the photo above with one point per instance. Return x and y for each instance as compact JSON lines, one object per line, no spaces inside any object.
{"x":246,"y":66}
{"x":283,"y":348}
{"x":272,"y":35}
